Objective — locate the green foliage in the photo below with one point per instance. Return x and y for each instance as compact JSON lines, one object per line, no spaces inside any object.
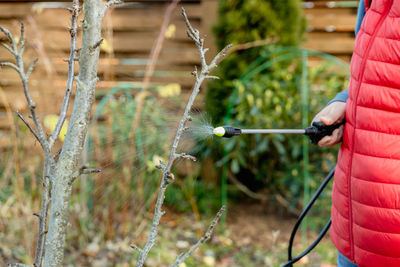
{"x":271,"y":98}
{"x":207,"y":196}
{"x":243,"y":21}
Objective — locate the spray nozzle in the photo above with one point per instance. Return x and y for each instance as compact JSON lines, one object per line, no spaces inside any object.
{"x":227,"y":131}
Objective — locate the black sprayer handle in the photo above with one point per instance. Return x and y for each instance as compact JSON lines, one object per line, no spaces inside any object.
{"x":319,"y":130}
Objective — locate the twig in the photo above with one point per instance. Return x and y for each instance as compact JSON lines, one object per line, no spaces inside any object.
{"x":83,"y":170}
{"x":109,"y":4}
{"x":39,"y":134}
{"x":19,"y":67}
{"x":96,"y":45}
{"x":182,"y":257}
{"x":30,"y":69}
{"x":71,"y":70}
{"x":166,"y":176}
{"x":136,"y":248}
{"x":28,"y":125}
{"x":9,"y":64}
{"x":185,"y":156}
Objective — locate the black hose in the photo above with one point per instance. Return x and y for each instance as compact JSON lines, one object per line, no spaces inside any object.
{"x":290,"y":261}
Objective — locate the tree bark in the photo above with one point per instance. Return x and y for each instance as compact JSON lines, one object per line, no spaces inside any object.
{"x":70,"y":156}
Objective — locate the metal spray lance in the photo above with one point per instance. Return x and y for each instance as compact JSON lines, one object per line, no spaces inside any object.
{"x":316,"y":131}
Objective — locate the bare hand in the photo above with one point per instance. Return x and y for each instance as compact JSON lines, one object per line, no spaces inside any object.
{"x":332,"y":114}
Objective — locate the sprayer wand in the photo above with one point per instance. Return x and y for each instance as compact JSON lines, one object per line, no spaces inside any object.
{"x":316,"y":131}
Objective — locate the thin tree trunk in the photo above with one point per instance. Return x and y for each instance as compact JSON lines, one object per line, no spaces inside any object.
{"x":70,"y":155}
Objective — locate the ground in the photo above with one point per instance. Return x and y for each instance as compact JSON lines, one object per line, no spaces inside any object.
{"x":253,"y":238}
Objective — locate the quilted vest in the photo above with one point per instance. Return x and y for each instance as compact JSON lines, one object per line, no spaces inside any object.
{"x":366,"y":192}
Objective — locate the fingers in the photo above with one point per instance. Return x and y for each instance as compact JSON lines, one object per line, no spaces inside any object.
{"x":333,"y":139}
{"x":326,"y":120}
{"x":334,"y":113}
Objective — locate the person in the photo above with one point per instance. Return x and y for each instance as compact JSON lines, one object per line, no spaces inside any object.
{"x":366,"y":191}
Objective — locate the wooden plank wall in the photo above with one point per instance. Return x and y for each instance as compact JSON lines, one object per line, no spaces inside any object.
{"x":330,"y":26}
{"x":129,"y":32}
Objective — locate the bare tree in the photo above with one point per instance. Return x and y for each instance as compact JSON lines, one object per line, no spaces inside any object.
{"x":58,"y":176}
{"x":167,"y":176}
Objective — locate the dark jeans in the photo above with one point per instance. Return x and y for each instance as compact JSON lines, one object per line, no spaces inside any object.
{"x":342,"y":261}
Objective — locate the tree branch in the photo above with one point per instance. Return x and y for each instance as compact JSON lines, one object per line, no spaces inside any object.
{"x":109,"y":4}
{"x":19,"y":67}
{"x":185,"y":156}
{"x":9,"y":64}
{"x":83,"y":170}
{"x":10,"y":39}
{"x":28,"y":125}
{"x":71,"y":70}
{"x":31,"y":67}
{"x":182,"y":257}
{"x":167,"y":175}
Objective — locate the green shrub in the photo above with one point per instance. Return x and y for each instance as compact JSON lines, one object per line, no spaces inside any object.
{"x":243,"y":21}
{"x":271,"y":99}
{"x":267,"y":98}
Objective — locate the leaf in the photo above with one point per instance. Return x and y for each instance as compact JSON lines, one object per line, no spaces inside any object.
{"x":50,"y":122}
{"x":170,"y":32}
{"x":169,"y":90}
{"x":106,"y":46}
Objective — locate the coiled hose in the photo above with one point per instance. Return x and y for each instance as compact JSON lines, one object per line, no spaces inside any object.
{"x":291,"y":261}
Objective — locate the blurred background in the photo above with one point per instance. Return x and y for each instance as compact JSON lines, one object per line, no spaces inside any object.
{"x":288,"y":60}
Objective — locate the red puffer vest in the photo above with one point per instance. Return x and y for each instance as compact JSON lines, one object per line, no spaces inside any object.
{"x":366,"y":192}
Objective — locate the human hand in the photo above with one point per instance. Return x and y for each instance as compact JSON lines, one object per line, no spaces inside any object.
{"x":332,"y":114}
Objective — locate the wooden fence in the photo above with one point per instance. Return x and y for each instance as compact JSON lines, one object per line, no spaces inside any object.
{"x":129,"y":33}
{"x":330,"y":26}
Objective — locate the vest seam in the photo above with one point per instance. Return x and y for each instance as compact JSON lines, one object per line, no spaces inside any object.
{"x":339,"y":191}
{"x":340,"y":236}
{"x":341,"y":215}
{"x":357,"y":54}
{"x":387,"y":38}
{"x":373,"y":156}
{"x":334,"y":227}
{"x":379,"y":132}
{"x":377,"y":253}
{"x":380,"y":85}
{"x":380,"y":110}
{"x":377,"y":231}
{"x":342,"y":195}
{"x":351,"y":76}
{"x":340,"y":168}
{"x":361,"y":76}
{"x":381,"y":61}
{"x":377,"y":207}
{"x":358,"y":178}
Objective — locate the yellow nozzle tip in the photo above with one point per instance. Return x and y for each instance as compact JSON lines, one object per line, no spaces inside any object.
{"x":219,"y":131}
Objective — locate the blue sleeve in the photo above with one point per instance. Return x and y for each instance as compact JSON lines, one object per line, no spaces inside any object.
{"x":360,"y":15}
{"x":344,"y":95}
